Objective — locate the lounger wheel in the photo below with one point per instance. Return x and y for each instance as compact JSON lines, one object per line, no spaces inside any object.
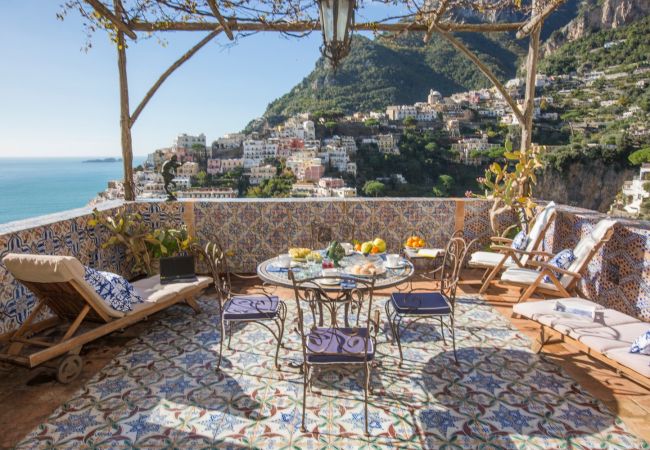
{"x":69,"y":368}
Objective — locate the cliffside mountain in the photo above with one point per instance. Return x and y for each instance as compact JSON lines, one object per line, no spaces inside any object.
{"x":595,"y":15}
{"x":385,"y":71}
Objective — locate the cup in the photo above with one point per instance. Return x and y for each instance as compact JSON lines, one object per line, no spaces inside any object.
{"x":284,"y":261}
{"x":393,"y":260}
{"x":347,"y":247}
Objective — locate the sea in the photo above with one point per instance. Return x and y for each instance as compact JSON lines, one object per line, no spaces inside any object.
{"x":31,"y":187}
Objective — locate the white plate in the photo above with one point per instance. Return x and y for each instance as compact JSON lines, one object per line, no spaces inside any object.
{"x":380,"y":271}
{"x":369,"y":254}
{"x":399,"y":266}
{"x":329,"y":281}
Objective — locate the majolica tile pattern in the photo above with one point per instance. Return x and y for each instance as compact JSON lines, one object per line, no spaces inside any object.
{"x":256,"y":230}
{"x":619,"y":275}
{"x":163,"y":391}
{"x":69,"y":237}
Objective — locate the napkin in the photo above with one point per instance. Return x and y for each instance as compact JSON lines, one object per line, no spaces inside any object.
{"x":348,"y":284}
{"x":430,"y":252}
{"x":272,"y":268}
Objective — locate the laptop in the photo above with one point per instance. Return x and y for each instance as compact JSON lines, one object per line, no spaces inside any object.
{"x":177,"y":269}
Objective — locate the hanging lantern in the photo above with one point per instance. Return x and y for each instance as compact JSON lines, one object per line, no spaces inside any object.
{"x":336,"y":19}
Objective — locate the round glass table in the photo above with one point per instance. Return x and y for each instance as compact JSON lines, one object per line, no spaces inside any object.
{"x":274,"y":275}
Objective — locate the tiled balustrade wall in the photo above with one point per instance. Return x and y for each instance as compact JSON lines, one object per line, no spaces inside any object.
{"x":258,"y":229}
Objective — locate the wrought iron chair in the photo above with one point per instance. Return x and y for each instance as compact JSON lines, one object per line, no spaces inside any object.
{"x":336,"y":345}
{"x":421,"y":303}
{"x":237,"y":307}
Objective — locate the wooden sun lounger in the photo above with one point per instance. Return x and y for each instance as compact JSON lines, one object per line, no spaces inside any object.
{"x":80,"y":315}
{"x":504,"y":256}
{"x":531,"y":280}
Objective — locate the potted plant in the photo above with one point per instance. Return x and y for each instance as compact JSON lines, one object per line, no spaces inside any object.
{"x":144,"y":247}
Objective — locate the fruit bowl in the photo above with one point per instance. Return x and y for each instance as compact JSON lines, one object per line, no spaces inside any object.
{"x":375,"y":247}
{"x":414,"y":243}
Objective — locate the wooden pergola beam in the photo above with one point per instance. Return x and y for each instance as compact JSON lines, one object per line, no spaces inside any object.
{"x":220,"y":19}
{"x":104,"y":11}
{"x":315,"y":26}
{"x":187,"y":55}
{"x":538,"y":18}
{"x":483,"y":68}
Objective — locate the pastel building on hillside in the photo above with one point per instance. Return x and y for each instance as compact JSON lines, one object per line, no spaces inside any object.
{"x":219,"y":166}
{"x":261,"y":173}
{"x":188,"y":169}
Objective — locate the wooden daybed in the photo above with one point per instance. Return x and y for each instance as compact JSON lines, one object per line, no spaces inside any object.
{"x":79,"y":314}
{"x":608,"y":338}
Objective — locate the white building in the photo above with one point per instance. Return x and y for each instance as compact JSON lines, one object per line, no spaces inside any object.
{"x":434,"y":97}
{"x":304,"y":190}
{"x":187,"y":141}
{"x":337,"y":157}
{"x":182,"y":182}
{"x":401,"y":112}
{"x":295,"y":127}
{"x":209,"y":193}
{"x":633,"y":191}
{"x":256,"y":151}
{"x":261,"y":173}
{"x":467,"y":145}
{"x":344,"y":192}
{"x":228,"y":142}
{"x":387,"y":144}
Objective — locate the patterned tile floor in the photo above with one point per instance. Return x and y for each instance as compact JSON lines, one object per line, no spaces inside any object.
{"x":162,"y":391}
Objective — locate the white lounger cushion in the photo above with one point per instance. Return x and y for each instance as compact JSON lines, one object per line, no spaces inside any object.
{"x":491,"y":259}
{"x":488,"y":259}
{"x":612,"y":337}
{"x":544,"y":313}
{"x":635,"y":361}
{"x":526,"y":277}
{"x":152,"y":291}
{"x":585,"y":246}
{"x":62,"y":269}
{"x":608,"y":338}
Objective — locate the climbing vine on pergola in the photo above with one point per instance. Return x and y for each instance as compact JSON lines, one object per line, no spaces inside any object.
{"x":128,"y":20}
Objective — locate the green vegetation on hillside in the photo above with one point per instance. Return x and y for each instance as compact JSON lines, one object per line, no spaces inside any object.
{"x":400,"y":70}
{"x":631,"y":45}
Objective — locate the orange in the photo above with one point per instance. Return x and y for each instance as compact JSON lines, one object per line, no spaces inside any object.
{"x":357,"y":247}
{"x":375,"y":249}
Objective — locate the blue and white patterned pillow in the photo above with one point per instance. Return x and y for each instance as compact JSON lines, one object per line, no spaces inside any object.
{"x":113,"y":289}
{"x":561,"y":260}
{"x":641,"y":344}
{"x":520,"y":241}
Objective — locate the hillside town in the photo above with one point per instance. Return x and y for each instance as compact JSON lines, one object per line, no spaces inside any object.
{"x":317,"y":154}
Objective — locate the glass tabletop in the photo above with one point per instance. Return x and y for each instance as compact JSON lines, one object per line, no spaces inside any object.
{"x":386,"y":276}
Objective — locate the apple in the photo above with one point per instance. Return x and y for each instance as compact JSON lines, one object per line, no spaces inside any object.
{"x":380,"y":244}
{"x":366,"y":247}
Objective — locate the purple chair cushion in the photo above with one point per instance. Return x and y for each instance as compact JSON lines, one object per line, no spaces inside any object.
{"x":250,"y":307}
{"x":339,"y":345}
{"x":420,"y":303}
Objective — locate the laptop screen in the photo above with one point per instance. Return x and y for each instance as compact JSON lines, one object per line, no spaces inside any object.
{"x":176,"y":267}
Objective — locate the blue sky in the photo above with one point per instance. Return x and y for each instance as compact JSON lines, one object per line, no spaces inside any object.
{"x":56,"y":100}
